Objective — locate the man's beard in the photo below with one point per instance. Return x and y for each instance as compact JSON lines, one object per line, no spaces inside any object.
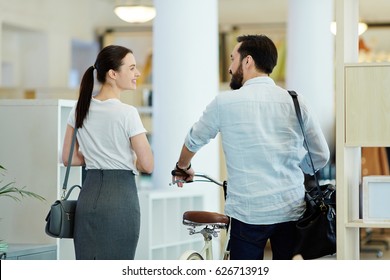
{"x":237,"y":77}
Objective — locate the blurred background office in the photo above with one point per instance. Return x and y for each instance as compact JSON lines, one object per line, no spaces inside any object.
{"x":183,"y":54}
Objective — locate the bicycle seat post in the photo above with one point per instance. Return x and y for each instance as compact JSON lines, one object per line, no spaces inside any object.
{"x":208,"y":246}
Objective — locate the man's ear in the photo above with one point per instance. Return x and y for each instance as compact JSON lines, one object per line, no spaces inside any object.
{"x":248,"y":62}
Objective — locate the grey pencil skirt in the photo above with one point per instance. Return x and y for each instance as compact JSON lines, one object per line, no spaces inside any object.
{"x":107,"y":221}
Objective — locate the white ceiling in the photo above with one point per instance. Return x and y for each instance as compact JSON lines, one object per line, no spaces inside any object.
{"x":253,"y":12}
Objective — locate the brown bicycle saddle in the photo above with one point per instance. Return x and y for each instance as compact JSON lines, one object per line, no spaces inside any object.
{"x":204,"y":217}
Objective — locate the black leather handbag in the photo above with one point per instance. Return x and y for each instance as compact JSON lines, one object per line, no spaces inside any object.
{"x":61,"y":217}
{"x":316,"y":229}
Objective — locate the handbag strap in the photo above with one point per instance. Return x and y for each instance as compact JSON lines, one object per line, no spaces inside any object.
{"x":64,"y":186}
{"x":294,"y":96}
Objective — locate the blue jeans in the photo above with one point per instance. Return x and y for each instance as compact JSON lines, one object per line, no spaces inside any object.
{"x":247,"y":242}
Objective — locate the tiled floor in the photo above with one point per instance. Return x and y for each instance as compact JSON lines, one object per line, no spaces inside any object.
{"x":378,"y":246}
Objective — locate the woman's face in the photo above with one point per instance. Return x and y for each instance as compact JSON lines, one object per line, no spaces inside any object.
{"x":128,"y":73}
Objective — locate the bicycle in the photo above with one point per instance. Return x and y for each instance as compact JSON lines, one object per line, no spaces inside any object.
{"x":211,"y":222}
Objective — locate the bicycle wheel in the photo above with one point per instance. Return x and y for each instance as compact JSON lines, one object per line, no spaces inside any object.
{"x":191,"y":255}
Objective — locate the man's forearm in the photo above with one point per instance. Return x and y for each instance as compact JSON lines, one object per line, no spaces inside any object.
{"x":185,"y":158}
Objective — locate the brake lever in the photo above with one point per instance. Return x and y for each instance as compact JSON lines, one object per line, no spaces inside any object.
{"x":177,"y":181}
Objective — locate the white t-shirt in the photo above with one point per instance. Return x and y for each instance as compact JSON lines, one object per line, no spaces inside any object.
{"x":105,"y":136}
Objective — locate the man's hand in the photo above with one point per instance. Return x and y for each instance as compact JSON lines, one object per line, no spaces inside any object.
{"x":181,"y":176}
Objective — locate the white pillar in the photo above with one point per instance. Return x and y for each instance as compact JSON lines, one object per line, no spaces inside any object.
{"x":185,"y":80}
{"x":310,"y":59}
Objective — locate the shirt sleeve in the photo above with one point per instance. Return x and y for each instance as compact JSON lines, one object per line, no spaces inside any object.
{"x":134,"y":123}
{"x":72,"y":117}
{"x":319,"y":149}
{"x":205,"y":129}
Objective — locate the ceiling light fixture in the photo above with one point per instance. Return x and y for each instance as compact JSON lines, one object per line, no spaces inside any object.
{"x":362,"y":27}
{"x":135,"y":11}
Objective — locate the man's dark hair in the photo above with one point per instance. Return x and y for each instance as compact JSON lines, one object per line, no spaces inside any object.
{"x":261,"y":49}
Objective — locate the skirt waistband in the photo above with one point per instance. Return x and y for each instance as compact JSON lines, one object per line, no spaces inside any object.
{"x":111,"y":171}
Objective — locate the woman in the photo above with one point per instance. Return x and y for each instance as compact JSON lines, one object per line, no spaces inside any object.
{"x":112,"y":144}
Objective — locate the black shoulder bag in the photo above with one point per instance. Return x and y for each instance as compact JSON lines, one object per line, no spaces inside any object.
{"x":60,"y":219}
{"x":316,"y":229}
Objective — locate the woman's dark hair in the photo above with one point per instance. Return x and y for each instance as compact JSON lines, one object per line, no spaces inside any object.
{"x":261,"y":49}
{"x":108,"y":58}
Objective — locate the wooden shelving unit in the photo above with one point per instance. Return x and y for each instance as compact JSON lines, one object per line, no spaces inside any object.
{"x":362,"y":106}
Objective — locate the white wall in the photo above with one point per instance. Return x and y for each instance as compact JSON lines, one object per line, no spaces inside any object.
{"x":36,"y":38}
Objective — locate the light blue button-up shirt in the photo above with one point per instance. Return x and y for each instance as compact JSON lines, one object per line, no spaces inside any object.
{"x":264,"y":151}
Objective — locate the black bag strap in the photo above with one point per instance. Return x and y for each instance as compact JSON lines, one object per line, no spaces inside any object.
{"x":294,"y":96}
{"x":64,"y":186}
{"x":70,"y":191}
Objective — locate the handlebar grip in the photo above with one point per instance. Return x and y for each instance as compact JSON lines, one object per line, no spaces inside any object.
{"x":178,"y":173}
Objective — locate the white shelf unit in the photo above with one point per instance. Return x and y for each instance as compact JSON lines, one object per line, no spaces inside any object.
{"x":163,"y":236}
{"x":363,"y":118}
{"x":367,"y":115}
{"x":32,"y":133}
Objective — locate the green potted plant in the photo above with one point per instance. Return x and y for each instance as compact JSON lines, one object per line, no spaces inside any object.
{"x":11,"y":191}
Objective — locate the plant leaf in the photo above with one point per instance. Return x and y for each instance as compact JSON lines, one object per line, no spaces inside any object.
{"x":9,"y":190}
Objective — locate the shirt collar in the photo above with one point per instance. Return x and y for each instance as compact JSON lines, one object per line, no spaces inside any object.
{"x":111,"y":100}
{"x":260,"y":80}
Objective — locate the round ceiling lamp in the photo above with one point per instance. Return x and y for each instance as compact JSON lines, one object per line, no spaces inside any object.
{"x":135,"y":13}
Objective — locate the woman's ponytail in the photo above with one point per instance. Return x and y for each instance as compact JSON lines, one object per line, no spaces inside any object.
{"x":85,"y":96}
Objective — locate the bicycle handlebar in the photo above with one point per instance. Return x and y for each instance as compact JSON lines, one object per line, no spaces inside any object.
{"x":206,"y":178}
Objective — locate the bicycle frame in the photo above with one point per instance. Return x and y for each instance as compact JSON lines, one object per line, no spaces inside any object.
{"x":207,"y":250}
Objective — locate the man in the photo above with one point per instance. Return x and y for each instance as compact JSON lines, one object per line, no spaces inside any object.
{"x":264,"y":151}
